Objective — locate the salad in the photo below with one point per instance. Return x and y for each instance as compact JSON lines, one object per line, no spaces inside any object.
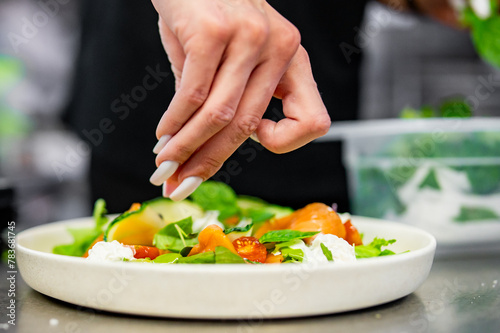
{"x":217,"y":226}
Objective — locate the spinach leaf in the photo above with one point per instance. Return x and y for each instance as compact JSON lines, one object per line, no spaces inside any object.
{"x":225,"y":256}
{"x":212,"y":195}
{"x":200,"y":258}
{"x":285,"y":235}
{"x":175,"y":236}
{"x":374,"y":249}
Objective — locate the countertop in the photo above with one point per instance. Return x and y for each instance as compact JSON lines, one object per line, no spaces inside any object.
{"x":460,"y":295}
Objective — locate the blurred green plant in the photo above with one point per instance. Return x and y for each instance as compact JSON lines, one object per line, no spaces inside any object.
{"x":485,"y":32}
{"x":12,"y":122}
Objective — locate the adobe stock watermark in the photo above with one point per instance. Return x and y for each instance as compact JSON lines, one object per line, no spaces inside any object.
{"x":121,"y":107}
{"x":30,"y":26}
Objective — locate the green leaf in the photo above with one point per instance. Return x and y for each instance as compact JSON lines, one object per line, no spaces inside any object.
{"x":468,"y":214}
{"x":374,"y":249}
{"x":285,"y":235}
{"x":225,"y":256}
{"x":455,"y":108}
{"x":167,"y":258}
{"x":326,"y":252}
{"x":212,"y":195}
{"x":430,"y":181}
{"x":485,"y":33}
{"x":185,"y":251}
{"x":239,"y":229}
{"x":83,"y":238}
{"x":99,"y":213}
{"x":175,"y":236}
{"x":292,"y":255}
{"x":200,"y":258}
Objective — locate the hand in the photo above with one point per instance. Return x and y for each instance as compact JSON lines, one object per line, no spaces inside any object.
{"x":229,"y":58}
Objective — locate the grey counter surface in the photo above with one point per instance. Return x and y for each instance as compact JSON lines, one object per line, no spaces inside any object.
{"x":460,"y":295}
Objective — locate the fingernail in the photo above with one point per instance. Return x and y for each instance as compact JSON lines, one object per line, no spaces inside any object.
{"x":161,"y":143}
{"x":185,"y":189}
{"x":164,"y":190}
{"x":254,"y":137}
{"x":164,"y":171}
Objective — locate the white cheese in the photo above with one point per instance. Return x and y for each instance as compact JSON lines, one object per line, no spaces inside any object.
{"x":110,"y":251}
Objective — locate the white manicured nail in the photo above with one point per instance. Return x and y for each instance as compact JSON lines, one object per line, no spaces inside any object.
{"x":254,"y":137}
{"x":161,"y":143}
{"x":164,"y":171}
{"x":185,"y":189}
{"x":164,"y":190}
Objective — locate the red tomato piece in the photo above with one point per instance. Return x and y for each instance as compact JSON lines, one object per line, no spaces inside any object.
{"x":352,"y":235}
{"x":142,"y":251}
{"x":250,"y":248}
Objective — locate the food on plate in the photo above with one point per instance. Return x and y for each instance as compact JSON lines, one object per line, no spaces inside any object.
{"x":217,"y":226}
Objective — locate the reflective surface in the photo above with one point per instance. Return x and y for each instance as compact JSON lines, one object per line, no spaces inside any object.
{"x":460,"y":295}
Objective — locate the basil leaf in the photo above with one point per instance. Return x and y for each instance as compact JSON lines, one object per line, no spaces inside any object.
{"x":326,"y":252}
{"x":185,"y":251}
{"x":285,"y":235}
{"x":167,"y":258}
{"x":225,"y":256}
{"x":200,"y":258}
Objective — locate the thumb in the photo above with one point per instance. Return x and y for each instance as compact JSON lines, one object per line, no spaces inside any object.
{"x":306,"y":117}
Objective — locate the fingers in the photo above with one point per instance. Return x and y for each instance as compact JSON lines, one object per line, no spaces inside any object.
{"x":306,"y":117}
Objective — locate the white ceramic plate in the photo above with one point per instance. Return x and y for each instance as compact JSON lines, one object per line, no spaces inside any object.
{"x":245,"y":292}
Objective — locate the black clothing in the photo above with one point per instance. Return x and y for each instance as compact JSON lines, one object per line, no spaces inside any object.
{"x":123,"y":84}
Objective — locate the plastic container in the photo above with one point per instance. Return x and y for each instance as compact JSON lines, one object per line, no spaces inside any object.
{"x":442,"y":175}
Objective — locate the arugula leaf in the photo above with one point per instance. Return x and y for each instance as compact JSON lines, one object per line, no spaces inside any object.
{"x":99,"y":213}
{"x":326,"y":252}
{"x":468,"y":214}
{"x":212,"y":195}
{"x":200,"y":258}
{"x":292,"y":255}
{"x":176,"y":236}
{"x":167,"y":258}
{"x":285,"y":235}
{"x":239,"y":229}
{"x":82,"y":239}
{"x":225,"y":256}
{"x":374,"y":249}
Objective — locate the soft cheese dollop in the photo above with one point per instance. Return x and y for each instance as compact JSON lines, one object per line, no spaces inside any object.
{"x":341,"y":250}
{"x":110,"y":251}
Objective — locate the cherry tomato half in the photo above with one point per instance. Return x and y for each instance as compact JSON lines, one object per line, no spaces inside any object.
{"x":250,"y":248}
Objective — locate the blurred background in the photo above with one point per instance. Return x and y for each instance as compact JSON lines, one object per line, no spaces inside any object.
{"x":409,"y":61}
